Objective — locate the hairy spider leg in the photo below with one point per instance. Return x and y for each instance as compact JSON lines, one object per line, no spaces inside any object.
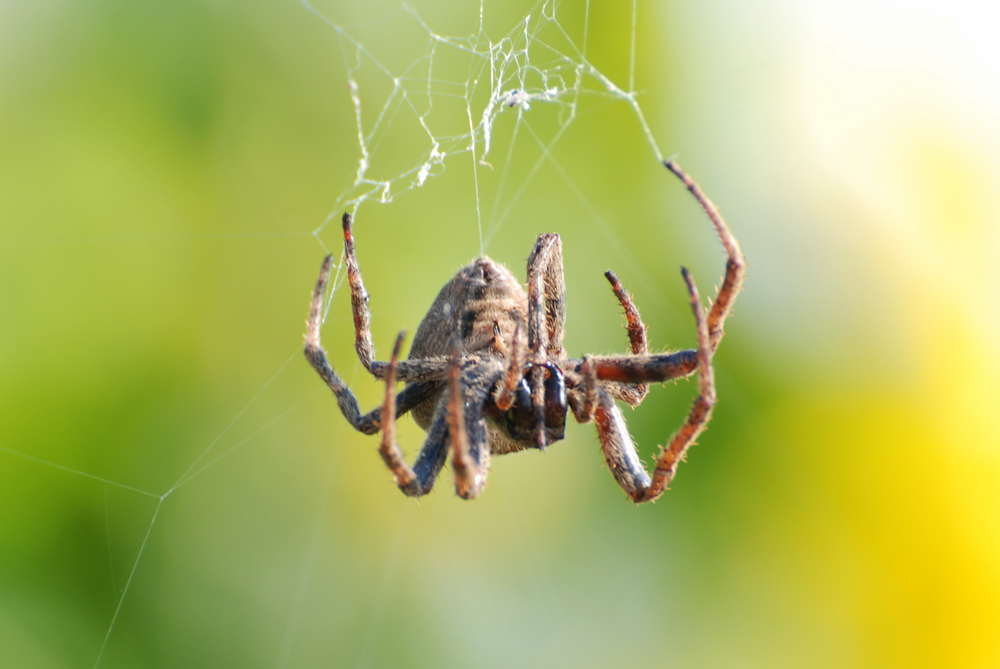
{"x":546,"y":317}
{"x":701,"y":410}
{"x":467,"y":430}
{"x":612,"y":371}
{"x":621,"y":370}
{"x":434,"y":452}
{"x":633,"y":394}
{"x":546,"y":297}
{"x":585,"y":412}
{"x":388,"y":448}
{"x":458,"y":420}
{"x":359,"y":301}
{"x":616,"y":444}
{"x":424,"y":369}
{"x":617,"y":447}
{"x":419,"y":479}
{"x":636,"y":328}
{"x":655,"y":368}
{"x":370,"y":422}
{"x":504,"y":396}
{"x":735,"y":266}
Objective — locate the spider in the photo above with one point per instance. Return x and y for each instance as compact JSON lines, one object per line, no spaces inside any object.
{"x":487,"y":373}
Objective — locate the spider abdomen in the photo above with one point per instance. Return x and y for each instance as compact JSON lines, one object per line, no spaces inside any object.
{"x":481,"y":306}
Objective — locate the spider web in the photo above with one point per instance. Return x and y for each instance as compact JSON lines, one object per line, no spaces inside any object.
{"x":447,"y":106}
{"x":536,"y":64}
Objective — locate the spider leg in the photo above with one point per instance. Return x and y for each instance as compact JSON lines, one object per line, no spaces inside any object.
{"x":617,"y":447}
{"x":466,"y":433}
{"x":422,"y":369}
{"x":388,"y":448}
{"x":418,"y":369}
{"x":616,"y":444}
{"x":618,"y":370}
{"x":636,"y":369}
{"x":504,"y":397}
{"x":546,"y":317}
{"x":546,"y":297}
{"x":469,"y":441}
{"x":582,"y":399}
{"x":636,"y":328}
{"x":735,"y":266}
{"x":419,"y":479}
{"x":370,"y":422}
{"x":633,"y":394}
{"x":434,"y":452}
{"x":701,"y":410}
{"x":359,"y":302}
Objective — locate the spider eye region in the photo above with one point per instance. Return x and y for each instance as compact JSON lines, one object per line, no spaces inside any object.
{"x":520,"y":421}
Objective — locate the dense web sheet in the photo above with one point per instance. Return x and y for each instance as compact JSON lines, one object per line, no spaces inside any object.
{"x":440,"y":110}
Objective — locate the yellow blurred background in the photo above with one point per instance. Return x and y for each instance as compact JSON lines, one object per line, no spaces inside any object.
{"x":162,"y":169}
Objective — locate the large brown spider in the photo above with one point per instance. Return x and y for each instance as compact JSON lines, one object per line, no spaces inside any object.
{"x":487,"y":373}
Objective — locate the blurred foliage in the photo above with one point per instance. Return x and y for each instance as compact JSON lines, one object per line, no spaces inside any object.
{"x":162,"y":167}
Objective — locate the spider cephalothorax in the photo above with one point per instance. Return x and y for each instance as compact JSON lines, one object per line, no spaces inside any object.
{"x":487,"y":373}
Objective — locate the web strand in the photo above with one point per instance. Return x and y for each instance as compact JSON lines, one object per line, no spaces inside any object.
{"x":647,"y":282}
{"x":631,"y":57}
{"x":186,"y":476}
{"x":77,"y":472}
{"x":128,"y":583}
{"x":107,"y":528}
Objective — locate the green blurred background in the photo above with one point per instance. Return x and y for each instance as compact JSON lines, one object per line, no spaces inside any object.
{"x":162,"y":168}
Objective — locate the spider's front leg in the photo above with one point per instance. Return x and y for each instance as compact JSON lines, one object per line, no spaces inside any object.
{"x":370,"y":422}
{"x":735,"y":265}
{"x":546,"y":317}
{"x":616,"y":444}
{"x":634,"y":393}
{"x":546,"y":298}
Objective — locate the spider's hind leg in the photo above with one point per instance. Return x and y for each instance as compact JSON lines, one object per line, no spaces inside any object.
{"x":458,"y":420}
{"x":417,"y":480}
{"x":388,"y":448}
{"x":467,"y":394}
{"x":359,"y":304}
